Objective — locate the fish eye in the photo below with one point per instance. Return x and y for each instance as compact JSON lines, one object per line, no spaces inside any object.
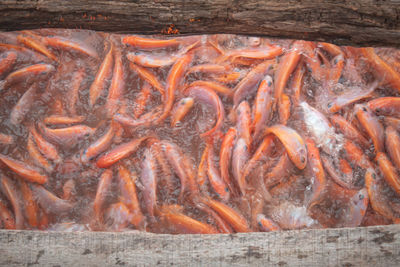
{"x":361,"y":196}
{"x":374,"y":176}
{"x":302,"y":159}
{"x":226,"y":189}
{"x":330,"y":105}
{"x":269,"y":83}
{"x":378,"y":110}
{"x":364,"y":109}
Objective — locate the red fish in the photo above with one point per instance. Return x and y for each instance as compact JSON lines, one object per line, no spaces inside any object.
{"x":27,"y":172}
{"x":129,"y":196}
{"x":174,"y":79}
{"x":286,"y":66}
{"x":318,"y":173}
{"x":393,"y":145}
{"x":69,"y":45}
{"x":7,"y":61}
{"x":181,"y":109}
{"x":119,"y":152}
{"x":149,"y":179}
{"x":243,"y":122}
{"x":103,"y":190}
{"x":148,"y":43}
{"x":117,"y":86}
{"x":9,"y":190}
{"x":30,"y":206}
{"x":262,"y":106}
{"x":208,"y":96}
{"x":68,"y":136}
{"x":141,"y":100}
{"x":240,"y":157}
{"x":37,"y":157}
{"x":235,"y":219}
{"x":225,"y":155}
{"x":6,"y":217}
{"x":371,"y":125}
{"x":217,"y":183}
{"x":149,"y":77}
{"x":100,"y":145}
{"x":293,"y":143}
{"x":36,"y":45}
{"x":103,"y":75}
{"x":184,"y":224}
{"x":248,"y":84}
{"x":46,"y":148}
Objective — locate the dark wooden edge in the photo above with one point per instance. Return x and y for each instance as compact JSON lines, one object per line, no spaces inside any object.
{"x":356,"y":22}
{"x":367,"y":246}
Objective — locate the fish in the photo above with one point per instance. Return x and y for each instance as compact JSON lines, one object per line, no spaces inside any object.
{"x":318,"y":180}
{"x":174,"y":79}
{"x":243,"y":123}
{"x":149,"y":179}
{"x":263,"y":104}
{"x":385,"y":106}
{"x":389,"y":172}
{"x":293,"y":143}
{"x":149,"y":77}
{"x":103,"y":75}
{"x":48,"y":150}
{"x":129,"y":195}
{"x":371,"y":125}
{"x":392,"y":144}
{"x":216,"y":182}
{"x":240,"y":156}
{"x":286,"y":66}
{"x":24,"y":105}
{"x":248,"y":85}
{"x":117,"y":86}
{"x":100,"y":145}
{"x":349,"y":131}
{"x":103,"y":190}
{"x":119,"y":152}
{"x":225,"y":155}
{"x":24,"y":170}
{"x":149,"y":43}
{"x":30,"y":206}
{"x":71,"y":45}
{"x":180,"y":110}
{"x":321,"y":129}
{"x":186,"y":225}
{"x":68,"y":136}
{"x":141,"y":100}
{"x":266,"y":224}
{"x":382,"y":69}
{"x":9,"y":189}
{"x":6,"y":218}
{"x":234,"y":218}
{"x":36,"y":45}
{"x":7,"y":62}
{"x":208,"y":96}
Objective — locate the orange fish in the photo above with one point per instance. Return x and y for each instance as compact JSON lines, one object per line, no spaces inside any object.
{"x":27,"y":172}
{"x":148,"y":43}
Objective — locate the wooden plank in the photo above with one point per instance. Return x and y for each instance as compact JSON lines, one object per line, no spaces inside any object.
{"x":357,"y":22}
{"x":369,"y":246}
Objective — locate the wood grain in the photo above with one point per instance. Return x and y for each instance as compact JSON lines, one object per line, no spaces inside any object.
{"x":356,"y":22}
{"x":369,"y":246}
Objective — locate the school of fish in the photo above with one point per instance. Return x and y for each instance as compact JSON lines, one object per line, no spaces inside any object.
{"x":195,"y":134}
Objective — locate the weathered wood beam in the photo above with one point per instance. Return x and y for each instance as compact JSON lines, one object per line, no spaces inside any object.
{"x":357,"y":22}
{"x":368,"y":246}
